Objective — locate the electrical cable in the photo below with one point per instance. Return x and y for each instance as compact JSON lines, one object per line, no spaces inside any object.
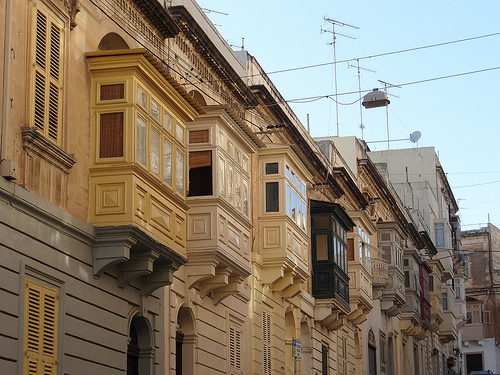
{"x":381,"y":54}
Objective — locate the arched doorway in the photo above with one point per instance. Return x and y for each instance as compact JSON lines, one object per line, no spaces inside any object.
{"x":140,"y":352}
{"x":305,"y":336}
{"x":185,"y":343}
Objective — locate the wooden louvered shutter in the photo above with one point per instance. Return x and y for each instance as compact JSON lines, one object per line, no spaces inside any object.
{"x":40,"y":329}
{"x":235,"y":351}
{"x":111,"y":135}
{"x":47,"y":80}
{"x":266,"y":341}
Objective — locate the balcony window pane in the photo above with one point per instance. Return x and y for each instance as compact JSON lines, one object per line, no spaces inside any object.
{"x":222,"y":176}
{"x":294,"y":202}
{"x":179,"y":133}
{"x":439,"y":234}
{"x":246,"y":210}
{"x":155,"y":110}
{"x":299,"y":208}
{"x":237,"y":192}
{"x":288,"y":200}
{"x":272,"y":197}
{"x":141,"y":140}
{"x":271,"y":168}
{"x":167,"y":162}
{"x":179,"y":173}
{"x":230,"y":184}
{"x":142,"y":98}
{"x":322,"y":247}
{"x":167,"y":122}
{"x":155,"y":152}
{"x":304,"y":215}
{"x":288,"y":172}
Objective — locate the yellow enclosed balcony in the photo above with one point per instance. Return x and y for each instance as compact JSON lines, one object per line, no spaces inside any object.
{"x":138,"y":163}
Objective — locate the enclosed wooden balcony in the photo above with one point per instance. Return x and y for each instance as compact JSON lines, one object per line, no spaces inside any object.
{"x":218,"y":227}
{"x":283,"y":221}
{"x":448,"y":330}
{"x":137,"y":166}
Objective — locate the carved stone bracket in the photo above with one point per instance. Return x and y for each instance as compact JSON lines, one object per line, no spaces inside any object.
{"x":137,"y":255}
{"x":73,"y":7}
{"x":329,"y":314}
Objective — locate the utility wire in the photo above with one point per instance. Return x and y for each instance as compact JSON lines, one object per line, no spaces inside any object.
{"x":314,"y":98}
{"x":381,"y":54}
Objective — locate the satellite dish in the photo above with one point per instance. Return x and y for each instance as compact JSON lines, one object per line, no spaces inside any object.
{"x":415,"y":136}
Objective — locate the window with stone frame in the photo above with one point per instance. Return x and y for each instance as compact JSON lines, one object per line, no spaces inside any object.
{"x":41,"y":304}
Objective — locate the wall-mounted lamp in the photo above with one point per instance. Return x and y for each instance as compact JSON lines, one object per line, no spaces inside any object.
{"x":434,"y":351}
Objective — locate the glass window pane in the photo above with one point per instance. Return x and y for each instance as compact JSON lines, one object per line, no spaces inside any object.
{"x":155,"y":152}
{"x":304,"y":216}
{"x":322,"y":247}
{"x":245,"y":164}
{"x":141,"y":140}
{"x":272,"y":197}
{"x":179,"y":173}
{"x":246,"y":203}
{"x":288,"y":200}
{"x":293,"y":178}
{"x":271,"y":168}
{"x":299,"y":211}
{"x":288,"y":171}
{"x":237,"y":192}
{"x":294,"y":203}
{"x":167,"y":162}
{"x":179,"y":133}
{"x":167,"y":122}
{"x":303,"y":189}
{"x":230,"y":183}
{"x":142,"y":98}
{"x":237,"y":156}
{"x":222,"y":176}
{"x":222,"y":140}
{"x":155,"y":110}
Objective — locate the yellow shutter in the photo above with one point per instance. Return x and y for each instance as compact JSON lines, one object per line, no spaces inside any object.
{"x":40,"y":329}
{"x":47,"y":81}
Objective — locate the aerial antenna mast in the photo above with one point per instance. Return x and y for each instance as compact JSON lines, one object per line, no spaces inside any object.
{"x":387,"y":84}
{"x":349,"y":65}
{"x":334,"y":33}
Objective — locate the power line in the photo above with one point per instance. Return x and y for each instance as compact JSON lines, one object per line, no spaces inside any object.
{"x":380,"y":54}
{"x":481,"y":184}
{"x":313,"y":98}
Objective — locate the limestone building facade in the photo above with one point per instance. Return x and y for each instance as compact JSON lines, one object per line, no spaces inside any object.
{"x":163,"y":211}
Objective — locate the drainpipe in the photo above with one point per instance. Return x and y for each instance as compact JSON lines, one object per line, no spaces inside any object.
{"x":7,"y":167}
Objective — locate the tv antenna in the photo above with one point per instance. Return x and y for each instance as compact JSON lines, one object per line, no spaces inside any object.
{"x":349,"y":65}
{"x":386,"y":85}
{"x":334,"y":41}
{"x":242,"y":47}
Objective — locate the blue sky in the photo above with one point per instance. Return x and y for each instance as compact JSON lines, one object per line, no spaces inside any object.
{"x":458,"y":116}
